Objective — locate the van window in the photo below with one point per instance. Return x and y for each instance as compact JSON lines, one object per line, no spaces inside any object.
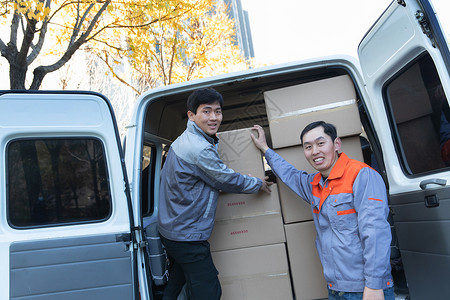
{"x":149,"y":166}
{"x":56,"y":181}
{"x":420,"y":117}
{"x":148,"y":180}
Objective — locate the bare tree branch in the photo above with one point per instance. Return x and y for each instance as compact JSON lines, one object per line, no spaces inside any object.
{"x":174,"y":46}
{"x":14,"y":27}
{"x":36,"y":49}
{"x":79,"y":22}
{"x":115,"y":74}
{"x":41,"y":71}
{"x":2,"y":46}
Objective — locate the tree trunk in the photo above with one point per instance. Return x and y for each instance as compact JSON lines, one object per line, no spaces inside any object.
{"x":18,"y":65}
{"x":17,"y":75}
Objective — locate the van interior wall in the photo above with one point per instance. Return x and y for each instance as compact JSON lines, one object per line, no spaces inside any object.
{"x":244,"y":102}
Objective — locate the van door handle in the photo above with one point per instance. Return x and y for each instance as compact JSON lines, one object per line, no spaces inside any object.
{"x":423,"y":184}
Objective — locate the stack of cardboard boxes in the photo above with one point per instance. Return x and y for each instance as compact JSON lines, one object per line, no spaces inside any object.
{"x":248,"y":240}
{"x":264,"y":245}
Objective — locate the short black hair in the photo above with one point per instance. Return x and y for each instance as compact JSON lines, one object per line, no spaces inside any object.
{"x":203,"y":96}
{"x":328,"y":128}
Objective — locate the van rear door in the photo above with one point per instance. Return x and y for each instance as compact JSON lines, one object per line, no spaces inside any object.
{"x":65,"y":206}
{"x":405,"y":63}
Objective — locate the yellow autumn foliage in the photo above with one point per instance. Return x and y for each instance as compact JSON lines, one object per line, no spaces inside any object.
{"x":164,"y":41}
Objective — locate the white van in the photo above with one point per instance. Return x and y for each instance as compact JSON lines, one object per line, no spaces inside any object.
{"x":77,"y":212}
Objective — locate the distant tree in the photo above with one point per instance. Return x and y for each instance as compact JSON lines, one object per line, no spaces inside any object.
{"x":63,"y":26}
{"x":197,"y":44}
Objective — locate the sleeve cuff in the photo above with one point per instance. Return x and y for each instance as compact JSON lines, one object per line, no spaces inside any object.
{"x":379,"y":283}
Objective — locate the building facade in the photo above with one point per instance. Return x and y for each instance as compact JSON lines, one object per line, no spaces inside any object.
{"x":242,"y":27}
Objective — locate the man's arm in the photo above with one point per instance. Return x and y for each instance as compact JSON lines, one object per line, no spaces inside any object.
{"x":217,"y":174}
{"x":374,"y":229}
{"x":298,"y":181}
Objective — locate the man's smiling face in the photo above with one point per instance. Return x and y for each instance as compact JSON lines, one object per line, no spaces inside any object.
{"x":208,"y":117}
{"x":320,"y":151}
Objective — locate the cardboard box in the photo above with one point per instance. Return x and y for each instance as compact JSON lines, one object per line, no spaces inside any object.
{"x":254,"y":273}
{"x":245,"y":232}
{"x":238,"y":152}
{"x":293,"y":207}
{"x":232,"y":206}
{"x":290,"y":109}
{"x":306,"y":269}
{"x":286,"y":132}
{"x":245,"y":220}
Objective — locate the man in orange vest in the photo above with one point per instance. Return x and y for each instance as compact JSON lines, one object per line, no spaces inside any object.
{"x":350,"y":209}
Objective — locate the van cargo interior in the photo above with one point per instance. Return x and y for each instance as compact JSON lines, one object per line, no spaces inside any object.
{"x":244,"y":106}
{"x":282,"y":102}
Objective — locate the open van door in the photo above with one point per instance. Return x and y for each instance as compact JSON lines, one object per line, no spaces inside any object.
{"x":65,"y":230}
{"x":406,"y":63}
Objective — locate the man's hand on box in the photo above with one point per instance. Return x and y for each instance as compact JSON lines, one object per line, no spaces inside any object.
{"x":260,"y":141}
{"x":266,"y":185}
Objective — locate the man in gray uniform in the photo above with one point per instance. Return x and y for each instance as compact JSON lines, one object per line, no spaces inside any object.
{"x":192,"y":176}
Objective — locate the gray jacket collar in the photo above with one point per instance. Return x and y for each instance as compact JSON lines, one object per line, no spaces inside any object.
{"x":193,"y":128}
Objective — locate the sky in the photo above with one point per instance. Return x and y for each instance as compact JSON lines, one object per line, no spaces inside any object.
{"x":299,"y":29}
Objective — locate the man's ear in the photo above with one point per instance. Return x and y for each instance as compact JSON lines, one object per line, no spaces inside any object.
{"x":337,"y":144}
{"x":190,"y":115}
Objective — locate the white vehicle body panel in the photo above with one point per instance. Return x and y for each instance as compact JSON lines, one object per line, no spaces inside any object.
{"x":388,"y":47}
{"x":57,"y":116}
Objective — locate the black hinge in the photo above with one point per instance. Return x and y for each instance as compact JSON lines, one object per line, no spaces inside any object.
{"x":424,"y":24}
{"x":143,"y":243}
{"x":401,"y":2}
{"x":431,"y":201}
{"x":124,"y":237}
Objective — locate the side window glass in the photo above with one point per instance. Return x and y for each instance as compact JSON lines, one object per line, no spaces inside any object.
{"x":56,"y":181}
{"x":149,"y":167}
{"x":147,"y":181}
{"x":420,"y":118}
